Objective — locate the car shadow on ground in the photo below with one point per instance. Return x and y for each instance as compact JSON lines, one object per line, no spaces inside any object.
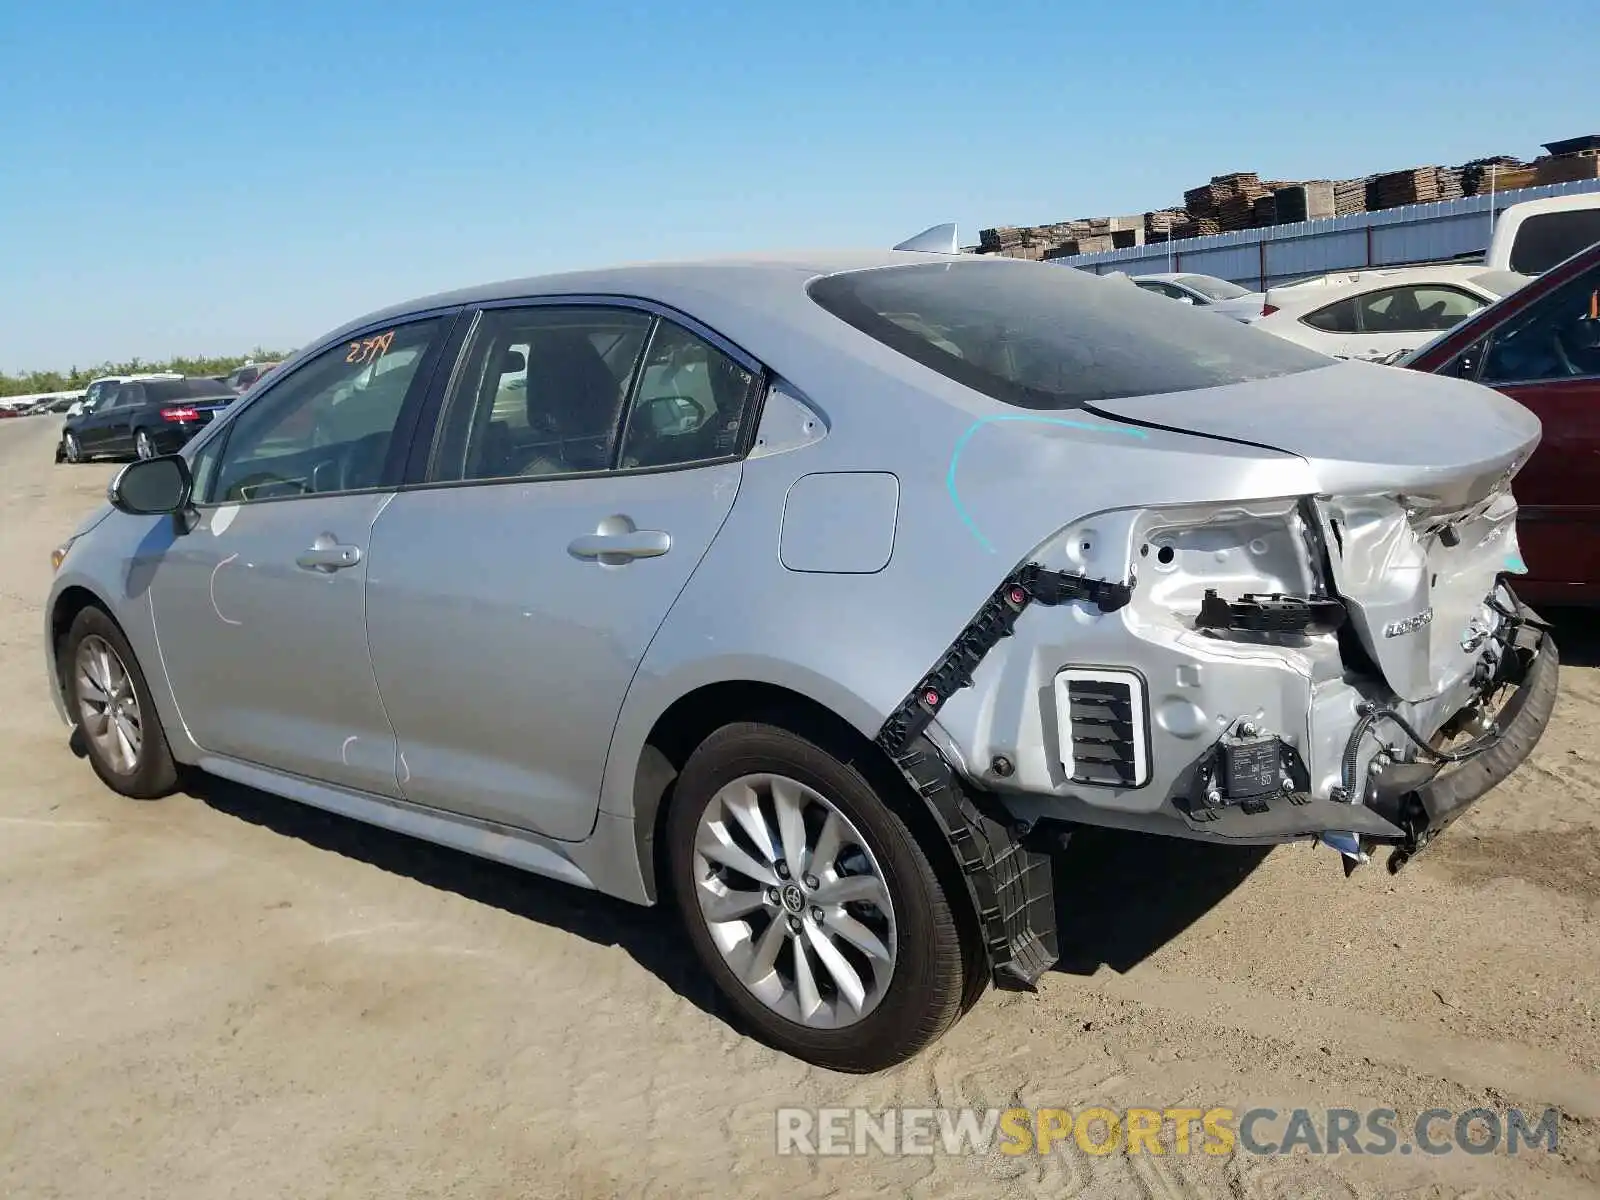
{"x":650,"y":935}
{"x":1121,"y":896}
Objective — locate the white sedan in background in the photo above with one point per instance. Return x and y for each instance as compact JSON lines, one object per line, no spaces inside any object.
{"x":1220,"y":296}
{"x":1379,"y":314}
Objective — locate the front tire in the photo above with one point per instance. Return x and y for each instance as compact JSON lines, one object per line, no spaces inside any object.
{"x":71,"y":450}
{"x":111,"y":705}
{"x":811,"y":903}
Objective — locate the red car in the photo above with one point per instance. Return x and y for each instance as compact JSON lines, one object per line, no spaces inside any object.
{"x":1541,"y":346}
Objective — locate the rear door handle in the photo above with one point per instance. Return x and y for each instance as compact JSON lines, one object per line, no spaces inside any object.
{"x":614,"y":549}
{"x":328,"y":556}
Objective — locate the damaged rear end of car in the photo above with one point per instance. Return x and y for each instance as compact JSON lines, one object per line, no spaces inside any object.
{"x":1313,"y":634}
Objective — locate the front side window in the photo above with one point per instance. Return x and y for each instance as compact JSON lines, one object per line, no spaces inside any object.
{"x":1414,"y":309}
{"x":325,"y":428}
{"x":1050,"y":338}
{"x":550,"y":390}
{"x":1556,"y":337}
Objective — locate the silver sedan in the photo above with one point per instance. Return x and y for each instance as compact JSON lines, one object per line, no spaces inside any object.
{"x":823,"y":595}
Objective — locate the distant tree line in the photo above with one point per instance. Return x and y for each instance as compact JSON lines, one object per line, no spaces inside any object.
{"x":79,"y":377}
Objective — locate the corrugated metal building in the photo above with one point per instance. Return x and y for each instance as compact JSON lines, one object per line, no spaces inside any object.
{"x":1276,"y":254}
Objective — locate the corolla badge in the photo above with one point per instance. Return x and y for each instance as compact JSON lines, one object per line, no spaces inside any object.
{"x":1409,"y":624}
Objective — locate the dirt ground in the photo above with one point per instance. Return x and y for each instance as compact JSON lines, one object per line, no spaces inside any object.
{"x":226,"y":994}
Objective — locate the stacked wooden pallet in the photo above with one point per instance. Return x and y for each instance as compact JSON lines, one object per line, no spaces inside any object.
{"x":1165,"y":224}
{"x":1392,"y":189}
{"x":1312,"y":200}
{"x":1228,"y":201}
{"x":1568,"y":168}
{"x":1349,"y":196}
{"x":1241,"y":199}
{"x":1476,"y":175}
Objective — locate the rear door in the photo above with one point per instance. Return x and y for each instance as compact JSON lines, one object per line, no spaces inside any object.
{"x":1547,"y":356}
{"x":98,"y":433}
{"x":586,"y":457}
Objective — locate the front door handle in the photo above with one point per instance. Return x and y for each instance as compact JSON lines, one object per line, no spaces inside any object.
{"x":328,"y":555}
{"x":616,"y":542}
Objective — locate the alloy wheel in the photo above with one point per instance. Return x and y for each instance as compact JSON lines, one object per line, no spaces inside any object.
{"x":71,"y":448}
{"x":142,"y":446}
{"x":795,"y":901}
{"x":108,"y":706}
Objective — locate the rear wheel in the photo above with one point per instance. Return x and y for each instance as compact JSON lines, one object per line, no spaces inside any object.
{"x":810,"y":902}
{"x":143,"y":447}
{"x":110,"y":703}
{"x":71,"y":450}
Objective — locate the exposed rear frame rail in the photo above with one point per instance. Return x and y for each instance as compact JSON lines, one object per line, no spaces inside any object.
{"x":1009,"y":884}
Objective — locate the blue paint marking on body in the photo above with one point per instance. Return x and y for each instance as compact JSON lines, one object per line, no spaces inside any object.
{"x":961,"y":444}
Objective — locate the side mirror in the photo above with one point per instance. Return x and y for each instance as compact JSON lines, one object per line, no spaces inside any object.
{"x":152,"y":486}
{"x":1184,"y":299}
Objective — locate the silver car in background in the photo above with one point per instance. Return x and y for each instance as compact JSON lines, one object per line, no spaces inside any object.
{"x":822,"y":594}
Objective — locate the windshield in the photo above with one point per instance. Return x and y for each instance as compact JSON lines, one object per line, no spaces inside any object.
{"x":1212,"y":287}
{"x":1047,"y":338}
{"x":1501,"y":283}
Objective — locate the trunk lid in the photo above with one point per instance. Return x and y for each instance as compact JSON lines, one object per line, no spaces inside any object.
{"x":1414,"y":502}
{"x":1363,"y":428}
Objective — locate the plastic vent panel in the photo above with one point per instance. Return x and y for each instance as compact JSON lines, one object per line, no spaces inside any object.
{"x":1104,"y":741}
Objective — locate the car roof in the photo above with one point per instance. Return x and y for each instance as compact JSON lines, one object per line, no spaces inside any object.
{"x":1335,"y":285}
{"x":704,"y":287}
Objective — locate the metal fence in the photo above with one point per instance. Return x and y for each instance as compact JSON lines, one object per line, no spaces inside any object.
{"x":1277,"y":254}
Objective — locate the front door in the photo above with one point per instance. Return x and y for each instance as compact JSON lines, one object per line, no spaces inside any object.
{"x":103,"y":430}
{"x":1547,"y":357}
{"x":259,"y":608}
{"x":511,"y":600}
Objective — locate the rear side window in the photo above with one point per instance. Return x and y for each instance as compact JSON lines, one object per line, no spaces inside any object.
{"x":185,"y":389}
{"x":1336,"y":318}
{"x":1051,"y":338}
{"x":1412,"y":309}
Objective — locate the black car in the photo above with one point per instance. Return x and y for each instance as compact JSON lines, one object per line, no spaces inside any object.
{"x":142,"y":418}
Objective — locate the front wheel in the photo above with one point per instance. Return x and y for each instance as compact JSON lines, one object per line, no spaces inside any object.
{"x":110,"y":703}
{"x":71,"y":450}
{"x":811,"y":903}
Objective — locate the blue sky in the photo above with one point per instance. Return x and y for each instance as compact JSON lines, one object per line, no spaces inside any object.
{"x":203,"y":178}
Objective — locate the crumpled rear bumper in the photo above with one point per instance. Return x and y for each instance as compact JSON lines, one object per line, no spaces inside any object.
{"x":1408,"y":802}
{"x":1533,"y":669}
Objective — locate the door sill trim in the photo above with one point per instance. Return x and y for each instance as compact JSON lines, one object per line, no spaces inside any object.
{"x":484,"y":839}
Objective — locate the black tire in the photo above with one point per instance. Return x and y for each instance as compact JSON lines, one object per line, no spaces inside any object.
{"x":154,"y":774}
{"x":141,"y":439}
{"x":66,"y":454}
{"x":925,"y":994}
